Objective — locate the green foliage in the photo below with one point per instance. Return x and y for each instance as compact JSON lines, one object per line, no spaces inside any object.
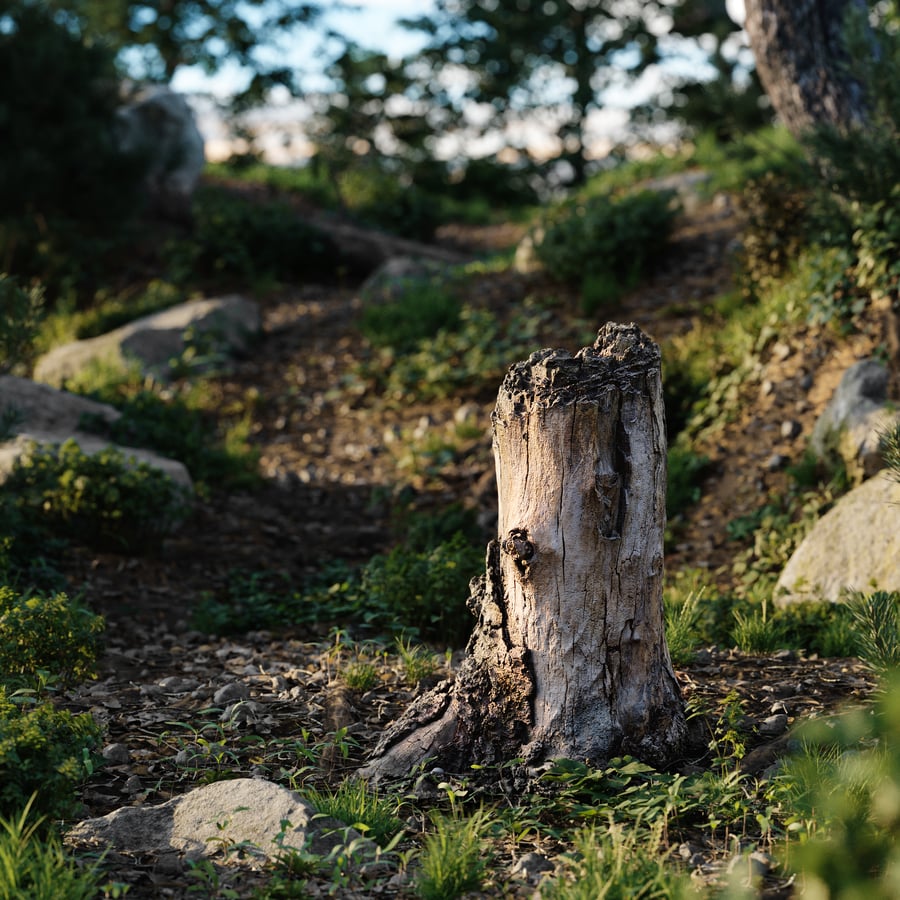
{"x":418,"y":313}
{"x":235,"y":239}
{"x":409,"y":592}
{"x":418,"y":662}
{"x":454,"y":860}
{"x":606,"y":243}
{"x":34,"y":864}
{"x":356,"y":804}
{"x":841,"y":796}
{"x":467,"y":360}
{"x":360,"y":675}
{"x":876,"y":243}
{"x":50,"y":633}
{"x":890,"y":450}
{"x":686,"y":469}
{"x":756,"y":632}
{"x":876,"y":617}
{"x":179,"y":425}
{"x":45,"y":752}
{"x":618,"y":863}
{"x":102,"y":500}
{"x":682,"y":616}
{"x":19,"y":322}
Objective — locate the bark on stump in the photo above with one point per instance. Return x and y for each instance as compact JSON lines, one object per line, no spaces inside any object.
{"x":568,"y":656}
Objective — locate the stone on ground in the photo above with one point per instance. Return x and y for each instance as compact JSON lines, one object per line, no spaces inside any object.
{"x":854,"y":546}
{"x":263,"y":817}
{"x":225,"y":324}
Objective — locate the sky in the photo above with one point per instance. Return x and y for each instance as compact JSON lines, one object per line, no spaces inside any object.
{"x":372,"y":24}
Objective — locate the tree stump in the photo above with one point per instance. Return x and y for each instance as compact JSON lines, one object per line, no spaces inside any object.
{"x":568,"y":656}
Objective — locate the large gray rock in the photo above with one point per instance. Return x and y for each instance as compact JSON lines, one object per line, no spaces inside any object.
{"x":261,"y":816}
{"x":160,"y":125}
{"x":227,"y":324}
{"x":855,"y":546}
{"x":39,"y":413}
{"x":854,"y":420}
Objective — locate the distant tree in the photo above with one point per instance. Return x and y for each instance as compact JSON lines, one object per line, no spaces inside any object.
{"x":154,"y":38}
{"x":516,"y":58}
{"x":802,"y":59}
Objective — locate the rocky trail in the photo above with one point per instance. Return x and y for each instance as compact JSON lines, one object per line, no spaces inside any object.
{"x":182,"y":708}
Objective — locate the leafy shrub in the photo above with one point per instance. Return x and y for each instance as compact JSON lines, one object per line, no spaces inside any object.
{"x":236,"y":239}
{"x":101,"y":500}
{"x":19,"y":322}
{"x":174,"y":426}
{"x":356,"y":804}
{"x":56,"y":634}
{"x":45,"y":752}
{"x":35,"y":865}
{"x":876,"y":620}
{"x":419,"y":312}
{"x":606,"y":243}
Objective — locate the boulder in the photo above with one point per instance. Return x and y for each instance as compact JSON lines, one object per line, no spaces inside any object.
{"x":260,"y":816}
{"x":39,"y":413}
{"x":396,"y":275}
{"x":854,"y":546}
{"x":159,"y":125}
{"x":218,"y":325}
{"x":854,"y":420}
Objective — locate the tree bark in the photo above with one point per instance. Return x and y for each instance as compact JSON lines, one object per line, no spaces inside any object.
{"x":568,"y":656}
{"x":801,"y":60}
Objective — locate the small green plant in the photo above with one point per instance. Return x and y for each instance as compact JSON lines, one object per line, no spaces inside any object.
{"x":682,"y":617}
{"x":45,"y":752}
{"x":360,"y":675}
{"x":357,"y":804}
{"x":618,"y":863}
{"x":420,"y":311}
{"x":19,"y":323}
{"x":890,"y":451}
{"x":103,"y":500}
{"x":33,"y":863}
{"x":876,"y":620}
{"x":52,"y":634}
{"x":756,"y":632}
{"x":606,"y":243}
{"x":686,"y":469}
{"x":453,"y":858}
{"x":418,"y":662}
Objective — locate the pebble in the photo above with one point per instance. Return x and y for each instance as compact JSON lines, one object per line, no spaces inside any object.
{"x":777,"y":461}
{"x":237,"y":690}
{"x":116,"y":754}
{"x":133,"y":785}
{"x":530,"y":866}
{"x":758,"y":864}
{"x":766,"y":388}
{"x":773,"y":726}
{"x":790,"y":429}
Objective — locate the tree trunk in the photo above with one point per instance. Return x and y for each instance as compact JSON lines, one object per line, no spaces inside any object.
{"x":801,"y":60}
{"x":568,"y":656}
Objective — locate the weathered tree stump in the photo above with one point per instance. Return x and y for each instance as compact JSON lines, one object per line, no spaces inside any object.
{"x":568,"y":656}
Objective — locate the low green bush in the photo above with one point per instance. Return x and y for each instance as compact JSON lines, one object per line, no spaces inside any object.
{"x":55,"y":634}
{"x":237,"y":239}
{"x":45,"y":752}
{"x":606,"y":243}
{"x":101,"y":500}
{"x":19,"y":323}
{"x":418,"y":313}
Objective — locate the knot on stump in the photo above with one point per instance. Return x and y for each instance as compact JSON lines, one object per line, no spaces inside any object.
{"x":519,"y":548}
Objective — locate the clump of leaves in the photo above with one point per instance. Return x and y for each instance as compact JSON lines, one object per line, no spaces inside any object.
{"x":876,"y":618}
{"x":104,"y":500}
{"x":362,"y":807}
{"x":419,"y":311}
{"x":53,"y":634}
{"x":19,"y":323}
{"x":45,"y":752}
{"x":606,"y":243}
{"x":33,"y":862}
{"x":453,"y":858}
